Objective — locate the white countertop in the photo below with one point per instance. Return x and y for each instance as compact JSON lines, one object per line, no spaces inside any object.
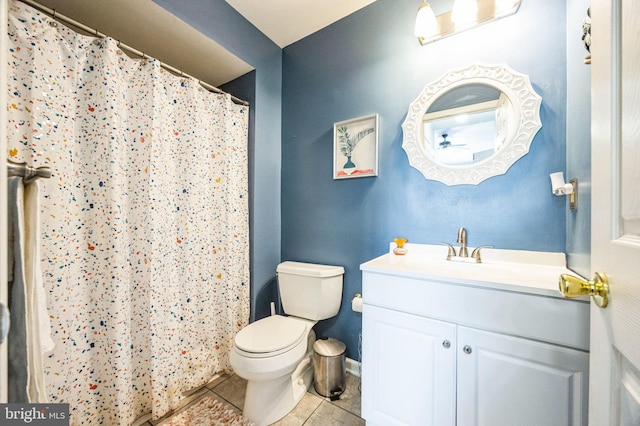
{"x":510,"y":270}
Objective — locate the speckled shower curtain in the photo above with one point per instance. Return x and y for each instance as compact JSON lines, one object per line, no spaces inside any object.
{"x":144,"y":221}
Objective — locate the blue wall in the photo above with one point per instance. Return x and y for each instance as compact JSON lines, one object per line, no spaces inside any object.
{"x":370,"y":62}
{"x":578,"y":140}
{"x":220,"y":22}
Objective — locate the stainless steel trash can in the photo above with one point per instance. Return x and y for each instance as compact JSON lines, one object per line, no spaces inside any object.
{"x":329,"y":367}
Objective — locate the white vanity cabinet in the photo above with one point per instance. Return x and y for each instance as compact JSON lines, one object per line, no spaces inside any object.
{"x":505,"y":380}
{"x":440,"y":351}
{"x":408,"y":373}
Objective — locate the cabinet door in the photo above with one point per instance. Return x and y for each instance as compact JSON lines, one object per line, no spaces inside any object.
{"x":408,"y":373}
{"x":508,"y":381}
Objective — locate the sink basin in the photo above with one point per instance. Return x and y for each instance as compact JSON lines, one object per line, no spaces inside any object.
{"x":515,"y":270}
{"x":461,"y":267}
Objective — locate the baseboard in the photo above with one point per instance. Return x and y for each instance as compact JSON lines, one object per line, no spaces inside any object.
{"x":353,"y":367}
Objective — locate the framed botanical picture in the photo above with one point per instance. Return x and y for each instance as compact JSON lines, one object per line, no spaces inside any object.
{"x":355,"y":147}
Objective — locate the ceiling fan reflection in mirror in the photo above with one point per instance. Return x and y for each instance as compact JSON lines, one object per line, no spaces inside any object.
{"x":447,"y":144}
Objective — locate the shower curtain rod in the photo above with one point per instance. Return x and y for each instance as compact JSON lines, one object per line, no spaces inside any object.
{"x":53,"y":14}
{"x":27,"y":172}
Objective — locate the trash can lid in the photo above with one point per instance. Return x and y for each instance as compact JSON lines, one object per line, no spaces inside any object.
{"x":328,"y":346}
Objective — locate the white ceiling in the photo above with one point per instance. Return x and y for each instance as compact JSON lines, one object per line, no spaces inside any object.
{"x":149,"y":28}
{"x":287,"y":21}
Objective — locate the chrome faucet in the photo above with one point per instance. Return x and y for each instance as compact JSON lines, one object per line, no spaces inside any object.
{"x":463,"y":251}
{"x":462,"y":240}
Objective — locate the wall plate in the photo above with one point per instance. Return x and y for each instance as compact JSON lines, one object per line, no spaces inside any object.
{"x":573,"y":197}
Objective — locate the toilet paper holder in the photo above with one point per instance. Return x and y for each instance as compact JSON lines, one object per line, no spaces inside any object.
{"x":559,"y":187}
{"x":356,"y":303}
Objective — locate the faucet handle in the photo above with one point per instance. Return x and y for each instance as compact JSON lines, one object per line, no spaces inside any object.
{"x":476,"y":253}
{"x":451,"y":252}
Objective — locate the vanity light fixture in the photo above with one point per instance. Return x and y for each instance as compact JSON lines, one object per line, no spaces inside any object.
{"x":464,"y":15}
{"x":426,"y":25}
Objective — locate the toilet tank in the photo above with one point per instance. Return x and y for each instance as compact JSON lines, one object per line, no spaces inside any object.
{"x":309,"y":290}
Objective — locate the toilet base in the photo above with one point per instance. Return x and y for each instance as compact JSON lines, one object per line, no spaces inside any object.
{"x":269,"y":401}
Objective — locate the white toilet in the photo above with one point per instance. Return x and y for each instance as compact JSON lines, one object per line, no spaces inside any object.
{"x":275,"y":354}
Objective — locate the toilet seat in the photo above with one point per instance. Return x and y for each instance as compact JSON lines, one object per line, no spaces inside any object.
{"x":270,"y":336}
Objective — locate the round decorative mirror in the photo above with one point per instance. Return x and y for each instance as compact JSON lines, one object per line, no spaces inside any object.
{"x":471,"y":124}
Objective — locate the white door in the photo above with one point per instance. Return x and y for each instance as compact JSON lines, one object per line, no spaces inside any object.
{"x":615,"y":331}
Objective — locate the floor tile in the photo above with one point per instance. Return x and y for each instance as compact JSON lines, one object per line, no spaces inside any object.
{"x":232,"y":390}
{"x":350,"y":398}
{"x":328,"y":414}
{"x":221,"y":378}
{"x":227,"y":403}
{"x":301,"y":412}
{"x":312,"y":410}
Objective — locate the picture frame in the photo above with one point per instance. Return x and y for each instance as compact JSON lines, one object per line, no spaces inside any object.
{"x":355,"y":147}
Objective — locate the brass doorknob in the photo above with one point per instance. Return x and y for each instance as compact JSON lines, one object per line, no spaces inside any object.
{"x":598,"y":288}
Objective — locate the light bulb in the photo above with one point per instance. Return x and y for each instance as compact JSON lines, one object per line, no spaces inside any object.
{"x":426,"y":24}
{"x":464,"y":12}
{"x":503,"y":5}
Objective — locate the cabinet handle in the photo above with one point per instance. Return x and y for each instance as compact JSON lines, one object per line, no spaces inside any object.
{"x":467,"y":349}
{"x":446,"y":344}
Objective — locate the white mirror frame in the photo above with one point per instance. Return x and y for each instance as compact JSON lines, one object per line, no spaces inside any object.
{"x":526,"y":123}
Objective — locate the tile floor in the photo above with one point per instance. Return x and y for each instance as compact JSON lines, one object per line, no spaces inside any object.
{"x":312,"y":410}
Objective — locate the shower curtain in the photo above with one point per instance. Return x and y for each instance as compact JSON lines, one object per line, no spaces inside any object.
{"x":144,"y":221}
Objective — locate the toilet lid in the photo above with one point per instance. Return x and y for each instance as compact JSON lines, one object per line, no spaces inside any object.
{"x":270,"y":334}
